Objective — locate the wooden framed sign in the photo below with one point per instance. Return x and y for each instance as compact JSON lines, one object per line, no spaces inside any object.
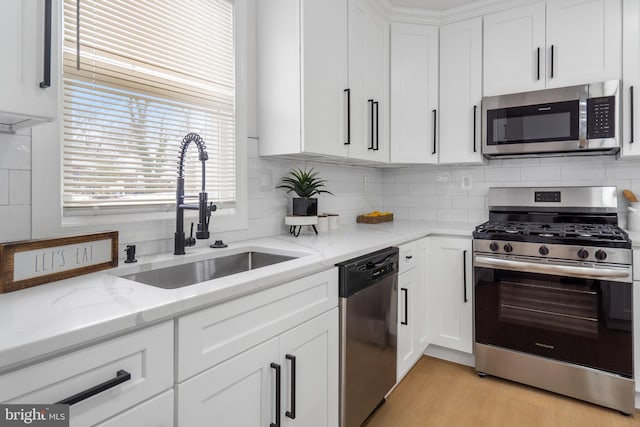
{"x":34,"y":262}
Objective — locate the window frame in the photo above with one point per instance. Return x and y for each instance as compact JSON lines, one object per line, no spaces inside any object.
{"x":47,"y":142}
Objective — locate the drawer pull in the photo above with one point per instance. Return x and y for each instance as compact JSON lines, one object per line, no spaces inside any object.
{"x":408,"y":257}
{"x":121,"y":376}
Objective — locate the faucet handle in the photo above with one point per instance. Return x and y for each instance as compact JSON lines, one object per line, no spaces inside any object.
{"x":190,"y":241}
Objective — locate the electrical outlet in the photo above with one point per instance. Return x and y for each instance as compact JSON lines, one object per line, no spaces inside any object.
{"x":466,"y":182}
{"x":266,"y":180}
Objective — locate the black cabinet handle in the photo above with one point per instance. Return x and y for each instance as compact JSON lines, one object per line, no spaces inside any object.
{"x":370,"y":101}
{"x":121,"y":376}
{"x":435,"y":117}
{"x":408,"y":257}
{"x":538,"y":63}
{"x":348,"y":92}
{"x":631,"y":112}
{"x":406,"y":306}
{"x":278,"y":390}
{"x":475,"y":114}
{"x":292,"y":413}
{"x":552,"y":55}
{"x":377,"y":107}
{"x":46,"y":82}
{"x":464,"y":274}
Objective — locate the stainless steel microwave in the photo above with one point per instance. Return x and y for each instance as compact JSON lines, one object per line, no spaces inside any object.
{"x":581,"y":119}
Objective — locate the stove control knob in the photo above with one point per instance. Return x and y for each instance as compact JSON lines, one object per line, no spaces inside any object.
{"x":583,"y":253}
{"x":543,"y":250}
{"x":508,"y":248}
{"x":601,"y":255}
{"x":494,"y":246}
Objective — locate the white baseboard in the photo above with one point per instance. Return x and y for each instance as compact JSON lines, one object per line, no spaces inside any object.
{"x":450,"y":355}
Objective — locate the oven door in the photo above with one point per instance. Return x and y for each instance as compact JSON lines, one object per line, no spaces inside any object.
{"x":581,"y":320}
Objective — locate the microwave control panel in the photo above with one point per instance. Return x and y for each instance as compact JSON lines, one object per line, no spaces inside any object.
{"x":601,"y":117}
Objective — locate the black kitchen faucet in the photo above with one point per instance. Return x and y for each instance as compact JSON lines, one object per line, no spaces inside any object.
{"x":204,"y":208}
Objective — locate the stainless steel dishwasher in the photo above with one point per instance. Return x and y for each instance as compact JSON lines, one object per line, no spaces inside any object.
{"x":368,"y":333}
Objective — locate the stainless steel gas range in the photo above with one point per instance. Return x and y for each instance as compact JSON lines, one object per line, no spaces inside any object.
{"x":553,"y":293}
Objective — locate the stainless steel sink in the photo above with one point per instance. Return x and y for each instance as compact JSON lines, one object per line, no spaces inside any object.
{"x":181,"y":275}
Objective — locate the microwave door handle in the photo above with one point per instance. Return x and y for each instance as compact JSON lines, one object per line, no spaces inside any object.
{"x":553,"y":269}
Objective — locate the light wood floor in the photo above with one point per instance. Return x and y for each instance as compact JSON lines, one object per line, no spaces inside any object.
{"x":436,"y":393}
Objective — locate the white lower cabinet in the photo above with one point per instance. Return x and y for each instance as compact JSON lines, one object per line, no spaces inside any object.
{"x":234,"y":358}
{"x":139,"y":365}
{"x":301,"y":364}
{"x":451,"y":293}
{"x":412,"y":306}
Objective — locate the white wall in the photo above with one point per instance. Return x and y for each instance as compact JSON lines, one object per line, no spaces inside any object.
{"x":15,"y":186}
{"x":459,"y":193}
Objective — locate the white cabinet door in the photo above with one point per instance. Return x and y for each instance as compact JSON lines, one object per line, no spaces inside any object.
{"x":413,"y":333}
{"x":22,"y":37}
{"x":238,"y":392}
{"x":323,"y":74}
{"x":407,"y":352}
{"x":584,"y":38}
{"x":631,"y":79}
{"x":514,"y":50}
{"x":460,"y":92}
{"x":301,"y":55}
{"x":368,"y":82}
{"x":414,"y":93}
{"x":309,"y":356}
{"x":450,"y":296}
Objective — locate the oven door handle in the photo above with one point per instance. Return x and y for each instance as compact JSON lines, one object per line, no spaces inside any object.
{"x":556,"y":270}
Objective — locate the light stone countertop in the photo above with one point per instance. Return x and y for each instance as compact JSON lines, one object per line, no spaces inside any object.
{"x":48,"y":319}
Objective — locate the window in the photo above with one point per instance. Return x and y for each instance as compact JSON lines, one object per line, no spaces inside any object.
{"x":138,"y":75}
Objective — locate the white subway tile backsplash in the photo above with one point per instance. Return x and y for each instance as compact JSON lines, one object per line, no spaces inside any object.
{"x":504,"y":174}
{"x":542,"y":173}
{"x":19,"y":187}
{"x":15,"y":152}
{"x":453,"y":202}
{"x":4,"y":187}
{"x":16,"y":223}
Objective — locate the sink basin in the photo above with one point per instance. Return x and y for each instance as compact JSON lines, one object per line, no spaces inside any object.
{"x":181,"y":275}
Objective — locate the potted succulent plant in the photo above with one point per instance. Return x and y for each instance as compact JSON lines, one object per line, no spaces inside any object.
{"x":305,"y":183}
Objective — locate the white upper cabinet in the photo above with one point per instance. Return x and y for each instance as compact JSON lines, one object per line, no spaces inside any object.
{"x":584,"y":39}
{"x":414,"y":93}
{"x":302,"y":76}
{"x":631,"y":80}
{"x":514,"y":50}
{"x":368,"y":82}
{"x":29,"y":74}
{"x":553,"y":44}
{"x":460,"y":92}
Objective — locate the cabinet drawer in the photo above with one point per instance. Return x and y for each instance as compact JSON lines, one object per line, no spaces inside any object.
{"x":147,"y":355}
{"x":407,"y":259}
{"x":155,"y":412}
{"x":636,"y":264}
{"x":212,"y":335}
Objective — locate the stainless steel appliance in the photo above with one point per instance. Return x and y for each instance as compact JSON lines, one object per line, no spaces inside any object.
{"x":581,"y":119}
{"x":553,"y":293}
{"x":368,"y":334}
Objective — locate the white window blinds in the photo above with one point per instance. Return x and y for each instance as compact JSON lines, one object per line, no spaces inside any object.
{"x":138,"y":76}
